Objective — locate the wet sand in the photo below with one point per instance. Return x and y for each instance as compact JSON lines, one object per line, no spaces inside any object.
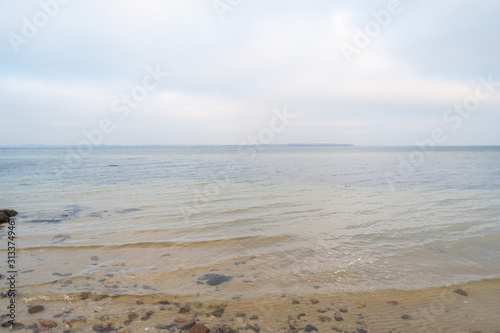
{"x":470,"y":307}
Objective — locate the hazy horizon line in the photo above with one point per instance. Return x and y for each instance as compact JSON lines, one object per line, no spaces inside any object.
{"x":231,"y":145}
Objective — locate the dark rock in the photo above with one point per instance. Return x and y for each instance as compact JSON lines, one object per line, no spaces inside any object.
{"x":362,"y":330}
{"x":406,"y":317}
{"x":339,"y":318}
{"x":4,"y":218}
{"x":14,"y":327}
{"x":165,"y":327}
{"x":218,"y":313}
{"x":199,"y":328}
{"x":36,"y":309}
{"x":295,"y":301}
{"x":254,"y":328}
{"x":393,"y":302}
{"x":215,"y":279}
{"x":343,"y":310}
{"x":9,"y":212}
{"x":324,"y":319}
{"x":184,"y":309}
{"x":254,"y":317}
{"x":225,"y":329}
{"x":310,"y":328}
{"x":163,"y":303}
{"x":104,"y":328}
{"x":133,"y":315}
{"x":461,"y":292}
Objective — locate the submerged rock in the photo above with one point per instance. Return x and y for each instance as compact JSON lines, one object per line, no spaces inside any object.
{"x":461,"y":292}
{"x":215,"y":279}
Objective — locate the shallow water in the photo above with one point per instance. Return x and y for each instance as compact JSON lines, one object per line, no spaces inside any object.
{"x":287,"y":220}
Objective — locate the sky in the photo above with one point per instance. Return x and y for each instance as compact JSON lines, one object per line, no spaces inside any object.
{"x":122,"y":72}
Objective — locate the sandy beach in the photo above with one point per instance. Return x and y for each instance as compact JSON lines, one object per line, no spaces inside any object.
{"x":471,"y":307}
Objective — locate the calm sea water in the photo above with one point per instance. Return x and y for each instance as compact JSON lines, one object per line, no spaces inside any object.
{"x":276,"y":219}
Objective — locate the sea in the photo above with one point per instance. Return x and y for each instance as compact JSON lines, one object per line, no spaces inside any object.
{"x":277,"y":219}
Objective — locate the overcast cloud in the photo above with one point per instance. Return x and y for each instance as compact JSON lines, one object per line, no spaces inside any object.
{"x":225,"y":77}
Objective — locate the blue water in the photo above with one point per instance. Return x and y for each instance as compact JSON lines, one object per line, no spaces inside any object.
{"x":345,"y":218}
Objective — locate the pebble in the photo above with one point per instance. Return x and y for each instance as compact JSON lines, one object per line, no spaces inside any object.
{"x":184,"y":309}
{"x":339,"y":318}
{"x":36,"y":309}
{"x":48,"y":323}
{"x":314,"y":301}
{"x":165,"y":327}
{"x":101,"y":328}
{"x":461,"y":292}
{"x":324,"y":319}
{"x":187,"y":325}
{"x":406,"y":317}
{"x":199,"y":328}
{"x":15,"y":327}
{"x":133,"y":315}
{"x":310,"y":328}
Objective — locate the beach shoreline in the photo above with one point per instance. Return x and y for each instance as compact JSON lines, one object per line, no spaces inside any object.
{"x":469,"y":307}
